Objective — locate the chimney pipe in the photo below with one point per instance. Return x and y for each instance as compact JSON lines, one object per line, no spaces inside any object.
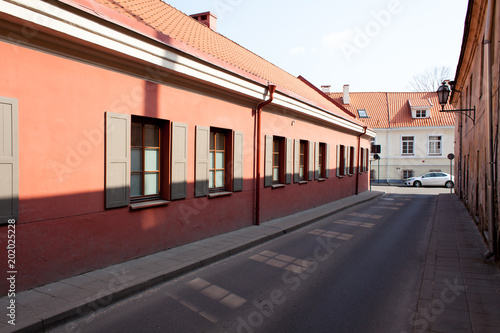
{"x":325,"y":89}
{"x":346,"y":99}
{"x":207,"y":18}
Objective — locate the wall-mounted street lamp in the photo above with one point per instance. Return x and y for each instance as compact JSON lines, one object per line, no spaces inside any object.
{"x":444,"y":93}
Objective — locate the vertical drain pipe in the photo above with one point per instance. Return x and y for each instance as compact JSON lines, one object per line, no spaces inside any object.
{"x":359,"y":158}
{"x":258,"y":113}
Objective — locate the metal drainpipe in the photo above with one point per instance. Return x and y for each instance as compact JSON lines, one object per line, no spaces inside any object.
{"x":489,"y":121}
{"x":258,"y":113}
{"x":359,"y":158}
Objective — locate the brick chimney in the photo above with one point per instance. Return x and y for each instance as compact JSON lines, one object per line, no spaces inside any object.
{"x":207,"y":18}
{"x":345,"y":98}
{"x":325,"y":89}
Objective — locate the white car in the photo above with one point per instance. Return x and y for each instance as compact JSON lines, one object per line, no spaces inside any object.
{"x":432,"y":179}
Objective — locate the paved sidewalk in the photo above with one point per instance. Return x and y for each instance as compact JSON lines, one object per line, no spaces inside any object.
{"x":44,"y":307}
{"x":460,"y":291}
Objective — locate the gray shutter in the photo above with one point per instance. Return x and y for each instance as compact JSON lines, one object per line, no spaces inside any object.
{"x":9,"y":160}
{"x":316,"y":160}
{"x":202,"y":160}
{"x":310,"y":166}
{"x":117,"y":159}
{"x":327,"y":161}
{"x":289,"y":160}
{"x":238,"y":162}
{"x":338,"y":160}
{"x":268,"y":161}
{"x":179,"y":161}
{"x":296,"y":161}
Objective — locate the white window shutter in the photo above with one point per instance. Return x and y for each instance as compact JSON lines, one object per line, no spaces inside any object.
{"x":316,"y":160}
{"x":268,"y":161}
{"x":117,"y":159}
{"x":289,"y":161}
{"x":179,"y":161}
{"x":202,"y":160}
{"x":327,"y":161}
{"x":9,"y":160}
{"x":310,"y":166}
{"x":238,"y":162}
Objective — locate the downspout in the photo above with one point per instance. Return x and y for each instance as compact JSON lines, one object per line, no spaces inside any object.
{"x":258,"y":114}
{"x":492,"y":237}
{"x":359,"y":158}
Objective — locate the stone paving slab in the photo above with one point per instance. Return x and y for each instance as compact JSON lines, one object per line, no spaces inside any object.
{"x":464,"y":288}
{"x":47,"y":306}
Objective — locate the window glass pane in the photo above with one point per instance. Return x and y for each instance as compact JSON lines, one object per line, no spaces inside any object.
{"x":301,"y":159}
{"x":151,"y":160}
{"x":301,"y":172}
{"x":219,"y":141}
{"x":151,"y":135}
{"x":151,"y":183}
{"x":276,"y":159}
{"x":219,"y":178}
{"x":136,"y":159}
{"x":219,"y":160}
{"x":276,"y":174}
{"x":302,"y":148}
{"x":136,"y":134}
{"x":212,"y":160}
{"x":211,"y":179}
{"x":212,"y":139}
{"x":276,"y":145}
{"x":135,"y":185}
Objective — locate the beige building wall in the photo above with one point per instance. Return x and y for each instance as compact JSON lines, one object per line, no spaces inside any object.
{"x":393,"y":162}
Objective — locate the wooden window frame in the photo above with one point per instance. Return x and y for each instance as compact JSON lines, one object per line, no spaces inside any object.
{"x":406,"y":141}
{"x":429,"y":141}
{"x":228,"y":157}
{"x":322,"y":160}
{"x":281,"y":160}
{"x":352,"y":167}
{"x":304,"y":160}
{"x":163,"y":160}
{"x":342,"y":160}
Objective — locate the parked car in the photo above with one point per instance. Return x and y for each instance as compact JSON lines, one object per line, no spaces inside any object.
{"x":432,"y":179}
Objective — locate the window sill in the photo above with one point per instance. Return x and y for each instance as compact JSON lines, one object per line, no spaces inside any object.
{"x":277,"y":186}
{"x":340,"y":176}
{"x":302,"y":182}
{"x":148,"y":204}
{"x":321,"y":179}
{"x":219,"y":194}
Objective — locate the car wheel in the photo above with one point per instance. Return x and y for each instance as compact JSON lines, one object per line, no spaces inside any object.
{"x":417,"y":184}
{"x":449,"y":184}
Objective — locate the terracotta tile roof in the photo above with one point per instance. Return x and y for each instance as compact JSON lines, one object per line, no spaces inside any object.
{"x":171,"y":22}
{"x":391,"y":110}
{"x":419,"y":103}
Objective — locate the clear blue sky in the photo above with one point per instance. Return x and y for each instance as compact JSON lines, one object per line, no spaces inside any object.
{"x":373,"y":45}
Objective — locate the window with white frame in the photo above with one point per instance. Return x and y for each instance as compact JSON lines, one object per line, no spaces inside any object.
{"x":407,"y":174}
{"x":421,"y":114}
{"x":435,"y":145}
{"x":407,"y":145}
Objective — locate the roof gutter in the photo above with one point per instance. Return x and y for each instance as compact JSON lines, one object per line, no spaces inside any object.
{"x":359,"y":157}
{"x":258,"y":114}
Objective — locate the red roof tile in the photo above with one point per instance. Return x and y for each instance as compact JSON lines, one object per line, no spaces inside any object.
{"x":391,"y":110}
{"x":175,"y":24}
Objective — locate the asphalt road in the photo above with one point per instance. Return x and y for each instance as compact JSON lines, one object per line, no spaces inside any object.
{"x":356,"y":271}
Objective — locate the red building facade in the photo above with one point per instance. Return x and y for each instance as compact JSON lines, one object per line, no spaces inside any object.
{"x":120,"y":140}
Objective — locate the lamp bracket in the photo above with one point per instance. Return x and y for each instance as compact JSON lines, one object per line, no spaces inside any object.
{"x":464,"y":111}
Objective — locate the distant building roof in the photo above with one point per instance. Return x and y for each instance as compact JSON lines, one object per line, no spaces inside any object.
{"x":391,"y":110}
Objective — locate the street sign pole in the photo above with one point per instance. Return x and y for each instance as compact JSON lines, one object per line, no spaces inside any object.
{"x":451,"y":157}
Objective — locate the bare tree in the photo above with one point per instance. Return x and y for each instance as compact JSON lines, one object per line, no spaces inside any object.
{"x":429,"y":80}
